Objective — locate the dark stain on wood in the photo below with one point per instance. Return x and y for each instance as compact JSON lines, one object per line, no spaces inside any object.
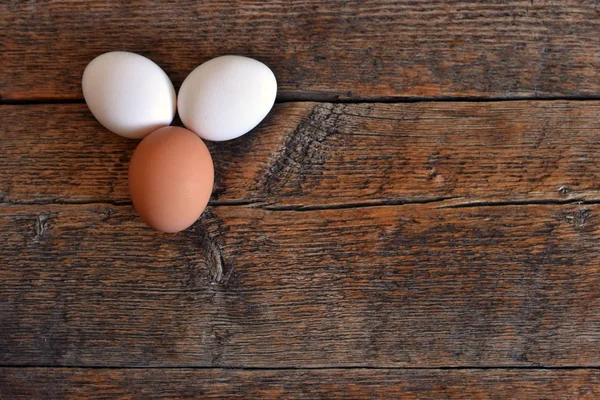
{"x":304,"y":152}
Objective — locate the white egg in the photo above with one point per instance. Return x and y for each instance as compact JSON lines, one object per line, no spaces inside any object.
{"x":129,"y":94}
{"x":226,"y":97}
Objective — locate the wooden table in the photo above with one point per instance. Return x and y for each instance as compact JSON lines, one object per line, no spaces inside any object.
{"x":417,"y":217}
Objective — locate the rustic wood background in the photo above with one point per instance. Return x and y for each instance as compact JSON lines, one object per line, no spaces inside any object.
{"x":417,"y":217}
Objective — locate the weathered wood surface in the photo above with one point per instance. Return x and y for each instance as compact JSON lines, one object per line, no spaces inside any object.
{"x":57,"y":383}
{"x":412,"y":285}
{"x":308,"y":154}
{"x":310,"y":258}
{"x":318,"y":50}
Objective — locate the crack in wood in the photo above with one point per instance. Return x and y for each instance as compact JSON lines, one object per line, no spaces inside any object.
{"x":521,"y":203}
{"x":455,"y":202}
{"x":335,"y":99}
{"x":309,"y":368}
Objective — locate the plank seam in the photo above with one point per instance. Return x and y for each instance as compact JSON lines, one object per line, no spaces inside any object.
{"x":326,"y":368}
{"x":269,"y":206}
{"x":335,"y":99}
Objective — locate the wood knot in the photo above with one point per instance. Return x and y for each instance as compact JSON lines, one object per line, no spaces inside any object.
{"x":578,"y":218}
{"x":107,"y":213}
{"x":41,"y":225}
{"x":564,"y":190}
{"x":208,"y":267}
{"x":214,"y":261}
{"x":218,"y":274}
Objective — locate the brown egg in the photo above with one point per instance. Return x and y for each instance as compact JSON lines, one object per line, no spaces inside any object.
{"x":171,"y":178}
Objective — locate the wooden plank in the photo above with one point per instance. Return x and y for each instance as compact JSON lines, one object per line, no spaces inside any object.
{"x":328,"y":154}
{"x":413,"y":285}
{"x":318,"y":50}
{"x":53,"y":383}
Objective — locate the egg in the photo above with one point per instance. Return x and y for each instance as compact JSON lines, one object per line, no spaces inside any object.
{"x":129,"y":94}
{"x":171,"y":178}
{"x":226,"y":97}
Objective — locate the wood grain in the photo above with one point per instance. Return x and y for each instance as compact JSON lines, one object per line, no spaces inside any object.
{"x":312,"y":274}
{"x":54,"y":383}
{"x":413,"y":285}
{"x":311,"y":154}
{"x":318,"y":50}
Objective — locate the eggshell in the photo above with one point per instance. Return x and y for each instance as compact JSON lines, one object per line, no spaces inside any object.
{"x":171,"y":178}
{"x":129,"y":94}
{"x":226,"y":97}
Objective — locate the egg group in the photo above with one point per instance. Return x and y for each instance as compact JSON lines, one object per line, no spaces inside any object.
{"x":171,"y":172}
